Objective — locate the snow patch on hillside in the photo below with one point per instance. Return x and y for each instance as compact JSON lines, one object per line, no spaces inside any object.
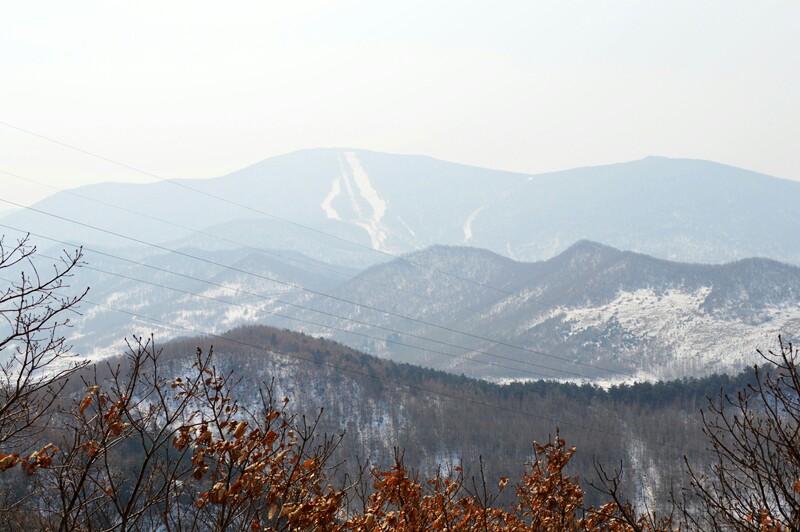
{"x":330,"y":212}
{"x":408,"y":227}
{"x":675,"y":324}
{"x":643,"y":311}
{"x":468,"y":224}
{"x":523,"y":299}
{"x":239,"y":315}
{"x":646,"y":473}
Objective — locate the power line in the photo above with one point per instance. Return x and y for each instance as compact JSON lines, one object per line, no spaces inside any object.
{"x":394,"y":382}
{"x":314,"y":264}
{"x":309,"y":322}
{"x":316,"y":292}
{"x":270,"y":215}
{"x":269,"y":298}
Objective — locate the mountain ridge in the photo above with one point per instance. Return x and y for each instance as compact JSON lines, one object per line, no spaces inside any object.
{"x":335,"y":205}
{"x":591,"y":303}
{"x":593,"y":312}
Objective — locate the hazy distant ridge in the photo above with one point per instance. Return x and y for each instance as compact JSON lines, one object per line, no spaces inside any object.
{"x":678,"y":209}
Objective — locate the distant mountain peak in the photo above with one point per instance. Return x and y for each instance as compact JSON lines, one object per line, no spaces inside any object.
{"x":587,"y":251}
{"x":589,"y":246}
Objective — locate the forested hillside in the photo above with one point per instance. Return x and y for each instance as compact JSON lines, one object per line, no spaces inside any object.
{"x":442,"y":420}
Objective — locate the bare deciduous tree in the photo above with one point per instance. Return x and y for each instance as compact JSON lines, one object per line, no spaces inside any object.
{"x":754,"y":438}
{"x":35,"y":363}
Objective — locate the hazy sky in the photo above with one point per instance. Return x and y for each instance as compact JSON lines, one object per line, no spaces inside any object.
{"x":199,"y":89}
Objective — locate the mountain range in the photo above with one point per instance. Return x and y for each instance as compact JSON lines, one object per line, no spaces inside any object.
{"x":452,"y":267}
{"x":590,"y":313}
{"x":338,"y":205}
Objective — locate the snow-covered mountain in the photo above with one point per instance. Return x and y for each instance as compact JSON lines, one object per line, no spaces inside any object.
{"x":175,"y":295}
{"x":337,"y":205}
{"x":592,"y":312}
{"x":275,"y":237}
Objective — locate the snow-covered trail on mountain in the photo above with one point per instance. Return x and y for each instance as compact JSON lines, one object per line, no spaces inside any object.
{"x":372,"y":223}
{"x":330,"y":212}
{"x":367,"y":206}
{"x":468,"y":224}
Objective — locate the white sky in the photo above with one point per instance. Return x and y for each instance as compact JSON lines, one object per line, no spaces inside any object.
{"x":200,"y":89}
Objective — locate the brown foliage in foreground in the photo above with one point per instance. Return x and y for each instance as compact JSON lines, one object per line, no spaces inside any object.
{"x":140,"y":451}
{"x":546,"y":500}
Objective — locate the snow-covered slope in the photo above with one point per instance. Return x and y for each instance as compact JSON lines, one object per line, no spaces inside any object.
{"x":170,"y":296}
{"x":592,"y":312}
